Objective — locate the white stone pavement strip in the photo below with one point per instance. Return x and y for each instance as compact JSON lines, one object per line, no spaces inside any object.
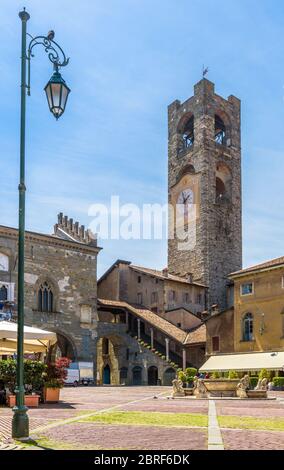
{"x":215,"y":441}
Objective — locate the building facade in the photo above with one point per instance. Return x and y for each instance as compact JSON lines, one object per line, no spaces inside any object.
{"x":204,"y":185}
{"x":256,"y":322}
{"x":259,"y":307}
{"x":60,"y":284}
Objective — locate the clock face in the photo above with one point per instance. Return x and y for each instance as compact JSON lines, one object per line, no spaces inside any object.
{"x":184,"y":200}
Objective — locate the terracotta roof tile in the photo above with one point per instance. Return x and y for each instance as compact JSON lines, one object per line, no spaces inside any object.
{"x":161,"y":275}
{"x":160,"y":323}
{"x":258,"y":267}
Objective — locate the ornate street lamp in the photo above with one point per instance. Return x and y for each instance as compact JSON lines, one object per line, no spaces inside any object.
{"x":58,"y":92}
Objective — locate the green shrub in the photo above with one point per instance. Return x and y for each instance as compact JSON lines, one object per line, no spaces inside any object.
{"x":233,"y":375}
{"x":264,"y":374}
{"x":182,"y":376}
{"x":278,"y":381}
{"x":253,"y":381}
{"x":215,"y":375}
{"x":34,"y":374}
{"x":189,"y":380}
{"x":190,"y":372}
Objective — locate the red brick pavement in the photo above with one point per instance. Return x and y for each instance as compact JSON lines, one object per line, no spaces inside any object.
{"x":235,"y":439}
{"x":84,"y":435}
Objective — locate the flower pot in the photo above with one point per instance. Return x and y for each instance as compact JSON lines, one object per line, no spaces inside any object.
{"x":51,"y":395}
{"x":31,"y":401}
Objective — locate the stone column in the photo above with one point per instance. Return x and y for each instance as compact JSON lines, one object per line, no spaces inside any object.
{"x":152,"y":338}
{"x":184,"y":359}
{"x":139,"y":328}
{"x":167,"y":348}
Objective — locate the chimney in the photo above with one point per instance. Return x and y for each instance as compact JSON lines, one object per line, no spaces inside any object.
{"x":165,"y":272}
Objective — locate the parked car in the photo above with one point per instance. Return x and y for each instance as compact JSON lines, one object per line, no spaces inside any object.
{"x":73,"y":375}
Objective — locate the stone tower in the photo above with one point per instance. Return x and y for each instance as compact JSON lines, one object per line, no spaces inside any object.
{"x":204,"y":184}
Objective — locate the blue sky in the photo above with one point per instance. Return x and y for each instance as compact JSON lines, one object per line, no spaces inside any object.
{"x":129,"y":60}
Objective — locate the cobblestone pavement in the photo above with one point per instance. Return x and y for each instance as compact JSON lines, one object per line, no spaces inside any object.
{"x":58,"y":422}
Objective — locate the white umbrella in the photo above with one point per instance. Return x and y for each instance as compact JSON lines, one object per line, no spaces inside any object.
{"x":35,"y":339}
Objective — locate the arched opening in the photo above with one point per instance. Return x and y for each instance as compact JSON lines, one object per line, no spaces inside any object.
{"x":169,"y":376}
{"x":220,"y":131}
{"x":137,"y":375}
{"x":248,"y":327}
{"x":186,"y":132}
{"x":105,"y":346}
{"x":63,"y":348}
{"x":223,"y":182}
{"x":106,"y":375}
{"x":220,"y":189}
{"x":152,"y":375}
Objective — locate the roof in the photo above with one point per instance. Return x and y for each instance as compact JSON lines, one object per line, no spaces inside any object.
{"x":160,"y":275}
{"x":152,"y":272}
{"x":245,"y":362}
{"x":274,"y":263}
{"x":160,"y":323}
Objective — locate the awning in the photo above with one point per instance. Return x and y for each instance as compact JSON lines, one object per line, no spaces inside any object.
{"x":244,"y":362}
{"x":35,"y":339}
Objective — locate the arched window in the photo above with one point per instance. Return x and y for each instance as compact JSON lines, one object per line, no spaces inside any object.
{"x":188,"y":133}
{"x":45,"y":298}
{"x":248,"y":327}
{"x":185,"y":131}
{"x":223,"y":182}
{"x":220,"y":189}
{"x":220,"y":131}
{"x":3,"y":293}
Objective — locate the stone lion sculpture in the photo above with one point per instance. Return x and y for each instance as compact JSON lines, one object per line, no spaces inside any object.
{"x":178,"y":390}
{"x":242,"y":387}
{"x":199,"y":389}
{"x":262,"y":384}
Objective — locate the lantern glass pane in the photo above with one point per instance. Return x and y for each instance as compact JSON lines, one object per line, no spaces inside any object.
{"x":65,"y":92}
{"x":56,"y":89}
{"x":48,"y":95}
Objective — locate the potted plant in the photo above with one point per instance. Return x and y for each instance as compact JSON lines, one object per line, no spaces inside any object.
{"x":55,"y":376}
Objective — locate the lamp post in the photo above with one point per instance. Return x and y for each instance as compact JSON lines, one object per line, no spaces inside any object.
{"x":57,"y":93}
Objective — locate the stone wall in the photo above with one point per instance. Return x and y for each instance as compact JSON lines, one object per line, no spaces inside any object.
{"x":218,"y":249}
{"x":70,"y":268}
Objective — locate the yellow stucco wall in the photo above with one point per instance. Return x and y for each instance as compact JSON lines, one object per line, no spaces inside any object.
{"x":266,"y":304}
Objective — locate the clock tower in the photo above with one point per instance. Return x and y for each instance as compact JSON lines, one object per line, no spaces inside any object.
{"x":204,"y":184}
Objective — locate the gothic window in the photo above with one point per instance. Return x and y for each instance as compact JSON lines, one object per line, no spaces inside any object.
{"x":248,"y":327}
{"x":220,"y":131}
{"x":3,"y":293}
{"x":45,"y":298}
